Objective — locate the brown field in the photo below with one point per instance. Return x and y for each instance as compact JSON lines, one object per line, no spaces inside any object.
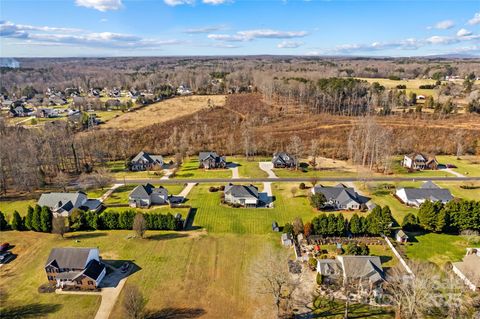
{"x":164,"y":111}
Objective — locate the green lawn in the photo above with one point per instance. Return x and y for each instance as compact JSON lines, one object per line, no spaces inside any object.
{"x":467,"y":165}
{"x":218,"y":218}
{"x":457,"y":191}
{"x":436,"y":248}
{"x":9,"y":206}
{"x":207,"y":273}
{"x":399,"y":170}
{"x":249,"y":168}
{"x":189,"y":170}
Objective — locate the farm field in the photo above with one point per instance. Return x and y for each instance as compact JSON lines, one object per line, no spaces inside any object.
{"x":163,"y":111}
{"x":436,"y":248}
{"x":189,"y":170}
{"x":178,"y":271}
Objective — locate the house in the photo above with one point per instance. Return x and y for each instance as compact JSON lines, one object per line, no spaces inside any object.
{"x":210,"y":160}
{"x":340,"y":197}
{"x":286,"y":240}
{"x":469,"y":269}
{"x":183,"y":90}
{"x":20,"y":111}
{"x":282,"y":160}
{"x":417,"y":161}
{"x":62,"y":204}
{"x":428,"y":191}
{"x":78,"y":268}
{"x":147,"y":195}
{"x":144,"y":161}
{"x":401,"y":237}
{"x":47,"y":113}
{"x":352,"y":268}
{"x":243,"y":195}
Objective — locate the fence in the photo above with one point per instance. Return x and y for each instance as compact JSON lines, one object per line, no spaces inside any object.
{"x":397,"y":254}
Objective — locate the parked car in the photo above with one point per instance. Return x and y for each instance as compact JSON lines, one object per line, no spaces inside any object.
{"x":4,"y":246}
{"x":5,"y":256}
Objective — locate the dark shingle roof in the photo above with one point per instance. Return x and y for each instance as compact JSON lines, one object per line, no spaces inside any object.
{"x":339,"y":193}
{"x":362,"y":267}
{"x":144,"y":191}
{"x":204,"y":155}
{"x":242,"y":190}
{"x":54,"y":199}
{"x":74,"y":258}
{"x":284,"y":158}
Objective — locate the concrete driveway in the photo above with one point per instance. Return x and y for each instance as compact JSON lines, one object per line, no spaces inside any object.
{"x":112,"y":285}
{"x":109,"y":192}
{"x":451,"y":171}
{"x":234,"y":168}
{"x":267,"y":167}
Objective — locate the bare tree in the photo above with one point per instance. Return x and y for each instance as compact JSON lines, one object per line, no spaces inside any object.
{"x":297,"y":225}
{"x":139,"y":225}
{"x":133,"y":302}
{"x":271,"y":277}
{"x":295,"y":147}
{"x":59,"y":225}
{"x":62,"y":179}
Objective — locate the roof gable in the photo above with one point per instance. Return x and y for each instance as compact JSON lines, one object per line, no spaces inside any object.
{"x":73,"y":258}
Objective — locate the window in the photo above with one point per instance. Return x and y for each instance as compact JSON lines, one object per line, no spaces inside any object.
{"x":90,"y":282}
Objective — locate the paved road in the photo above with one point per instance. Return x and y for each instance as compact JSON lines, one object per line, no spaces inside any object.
{"x":298,"y":179}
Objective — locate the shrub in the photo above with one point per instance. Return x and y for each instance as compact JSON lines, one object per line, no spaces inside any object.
{"x":319,"y":279}
{"x":212,"y":189}
{"x":302,"y":186}
{"x":312,"y":262}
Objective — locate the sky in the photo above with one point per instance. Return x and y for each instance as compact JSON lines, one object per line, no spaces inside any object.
{"x":83,"y":28}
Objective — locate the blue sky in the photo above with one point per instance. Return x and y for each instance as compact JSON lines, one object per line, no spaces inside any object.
{"x":238,"y":27}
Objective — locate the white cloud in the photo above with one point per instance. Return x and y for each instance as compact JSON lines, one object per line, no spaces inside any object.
{"x":463,"y":33}
{"x":103,"y":20}
{"x":249,"y":35}
{"x":174,"y":3}
{"x":289,"y":44}
{"x":100,"y":5}
{"x":475,"y":20}
{"x":67,"y":36}
{"x":444,"y":25}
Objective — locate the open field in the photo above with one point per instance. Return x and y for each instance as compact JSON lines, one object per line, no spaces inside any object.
{"x":466,"y":165}
{"x":189,"y":169}
{"x":9,"y":206}
{"x":327,"y":167}
{"x":436,"y":248}
{"x":457,"y":191}
{"x":163,"y":111}
{"x":178,"y":271}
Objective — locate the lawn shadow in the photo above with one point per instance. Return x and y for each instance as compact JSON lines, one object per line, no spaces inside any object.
{"x":93,"y":234}
{"x":166,"y":236}
{"x":190,"y":220}
{"x":175,"y":313}
{"x":34,"y":310}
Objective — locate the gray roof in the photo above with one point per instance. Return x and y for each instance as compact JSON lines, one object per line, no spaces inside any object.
{"x":243,"y":191}
{"x":428,"y":191}
{"x":339,"y":193}
{"x":149,"y":158}
{"x":144,"y":191}
{"x":53,"y":200}
{"x":204,"y":155}
{"x":362,"y":267}
{"x":283,"y":157}
{"x":329,"y":267}
{"x":401,"y":234}
{"x":73,"y":258}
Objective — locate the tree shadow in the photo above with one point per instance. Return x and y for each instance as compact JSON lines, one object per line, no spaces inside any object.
{"x":86,"y":235}
{"x":175,"y":313}
{"x":34,"y":310}
{"x":166,"y":236}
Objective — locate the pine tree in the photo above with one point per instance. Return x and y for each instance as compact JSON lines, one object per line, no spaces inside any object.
{"x":3,"y":222}
{"x":29,"y":218}
{"x":46,"y":219}
{"x":355,"y":225}
{"x":17,"y":222}
{"x":36,"y":219}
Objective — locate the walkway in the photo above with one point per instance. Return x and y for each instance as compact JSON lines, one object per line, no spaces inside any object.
{"x":109,"y":192}
{"x":451,"y":171}
{"x":267,"y":167}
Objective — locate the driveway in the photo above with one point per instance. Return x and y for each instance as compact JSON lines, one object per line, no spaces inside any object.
{"x":234,"y":168}
{"x":109,"y":192}
{"x":451,"y":171}
{"x":167,"y":173}
{"x":267,"y":167}
{"x":266,"y":195}
{"x":180,"y":198}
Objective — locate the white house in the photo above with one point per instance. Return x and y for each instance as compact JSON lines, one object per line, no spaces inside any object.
{"x":243,"y":195}
{"x":147,"y":195}
{"x":62,"y":204}
{"x":428,"y":191}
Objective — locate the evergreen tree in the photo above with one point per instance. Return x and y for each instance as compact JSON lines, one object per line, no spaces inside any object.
{"x":36,"y":219}
{"x":17,"y":222}
{"x":340,"y":225}
{"x":29,"y":218}
{"x":3,"y":222}
{"x":355,"y":225}
{"x":410,"y":222}
{"x":46,"y":220}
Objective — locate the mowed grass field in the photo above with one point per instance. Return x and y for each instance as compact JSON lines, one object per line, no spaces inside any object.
{"x":218,"y":218}
{"x":163,"y":111}
{"x":466,"y":165}
{"x":189,"y":170}
{"x":249,"y":168}
{"x":210,"y":274}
